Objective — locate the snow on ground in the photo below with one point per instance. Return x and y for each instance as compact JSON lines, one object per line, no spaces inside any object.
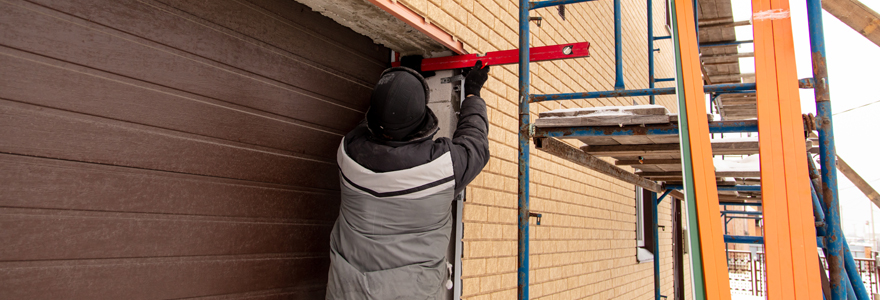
{"x":748,"y":163}
{"x":735,"y":139}
{"x":745,"y":297}
{"x":596,"y":113}
{"x":606,"y":108}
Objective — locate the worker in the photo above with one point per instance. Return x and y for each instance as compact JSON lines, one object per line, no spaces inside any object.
{"x":398,"y":183}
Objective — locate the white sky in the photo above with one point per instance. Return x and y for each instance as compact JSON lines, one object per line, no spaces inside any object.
{"x":854,"y":69}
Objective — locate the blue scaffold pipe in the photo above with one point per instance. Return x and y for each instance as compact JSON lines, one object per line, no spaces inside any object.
{"x":850,"y":292}
{"x":720,"y":44}
{"x":736,"y":126}
{"x":696,"y":20}
{"x":743,"y":239}
{"x":715,"y":88}
{"x":852,"y":278}
{"x":806,"y":83}
{"x":754,"y":213}
{"x":740,"y":203}
{"x":650,"y":4}
{"x":834,"y":235}
{"x":618,"y":47}
{"x":522,"y":264}
{"x":852,"y":273}
{"x":738,"y":188}
{"x":744,"y":217}
{"x":665,"y":37}
{"x":663,"y":196}
{"x":542,"y":4}
{"x":664,"y":79}
{"x":818,"y":212}
{"x":656,"y":250}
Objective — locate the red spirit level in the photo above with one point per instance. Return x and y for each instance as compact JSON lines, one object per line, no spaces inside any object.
{"x":506,"y":57}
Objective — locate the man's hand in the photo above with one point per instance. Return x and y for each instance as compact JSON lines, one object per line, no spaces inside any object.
{"x":415,"y":62}
{"x":475,"y":79}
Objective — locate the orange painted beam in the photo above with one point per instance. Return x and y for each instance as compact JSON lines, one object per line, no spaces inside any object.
{"x":790,"y":245}
{"x":802,"y":225}
{"x":419,"y":23}
{"x":765,"y":75}
{"x":717,"y":284}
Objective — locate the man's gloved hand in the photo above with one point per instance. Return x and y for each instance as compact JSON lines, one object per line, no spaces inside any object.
{"x":415,"y":62}
{"x":475,"y":79}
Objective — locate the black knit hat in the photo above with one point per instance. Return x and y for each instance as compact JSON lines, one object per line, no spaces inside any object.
{"x":399,"y":104}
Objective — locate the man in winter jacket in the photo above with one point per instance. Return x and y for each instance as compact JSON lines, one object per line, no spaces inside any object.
{"x":398,"y":185}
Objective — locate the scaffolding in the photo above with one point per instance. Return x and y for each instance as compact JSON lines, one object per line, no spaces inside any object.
{"x":693,"y":128}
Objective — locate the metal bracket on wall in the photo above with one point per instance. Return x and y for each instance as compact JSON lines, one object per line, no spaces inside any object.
{"x":451,"y":79}
{"x":536,"y":215}
{"x":537,"y":20}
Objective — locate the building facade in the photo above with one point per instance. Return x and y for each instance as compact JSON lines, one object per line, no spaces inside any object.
{"x":586,"y":245}
{"x":170,"y":149}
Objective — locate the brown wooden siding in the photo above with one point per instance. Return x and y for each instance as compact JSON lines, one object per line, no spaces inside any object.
{"x":173,"y":148}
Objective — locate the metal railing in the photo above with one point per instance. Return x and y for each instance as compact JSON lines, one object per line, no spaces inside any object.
{"x":748,"y":277}
{"x":747,"y":273}
{"x":867,"y":269}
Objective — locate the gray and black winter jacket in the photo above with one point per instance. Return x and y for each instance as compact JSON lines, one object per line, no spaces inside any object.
{"x":395,"y":218}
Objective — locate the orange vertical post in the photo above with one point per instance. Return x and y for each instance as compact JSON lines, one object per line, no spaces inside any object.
{"x":717,"y":284}
{"x":790,"y":236}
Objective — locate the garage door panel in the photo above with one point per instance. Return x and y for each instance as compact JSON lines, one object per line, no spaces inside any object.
{"x":160,"y":278}
{"x":303,"y":16}
{"x":32,"y":182}
{"x":230,"y":32}
{"x":37,"y":131}
{"x":274,"y":294}
{"x":55,"y":84}
{"x":136,"y":58}
{"x":85,"y":235}
{"x":162,"y":149}
{"x":252,"y":21}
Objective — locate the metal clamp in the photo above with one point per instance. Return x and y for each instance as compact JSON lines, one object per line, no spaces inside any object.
{"x":537,"y":20}
{"x":536,"y":215}
{"x":451,"y":79}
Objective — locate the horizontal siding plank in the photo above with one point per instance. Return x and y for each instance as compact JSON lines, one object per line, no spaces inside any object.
{"x":66,"y":235}
{"x":31,"y":182}
{"x":37,"y":131}
{"x":50,"y":33}
{"x":324,"y":27}
{"x":158,"y":149}
{"x":290,"y":36}
{"x":46,"y":82}
{"x":313,"y":292}
{"x":164,"y":278}
{"x":246,"y":37}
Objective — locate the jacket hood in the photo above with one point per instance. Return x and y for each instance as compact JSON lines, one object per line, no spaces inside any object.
{"x":426,"y":131}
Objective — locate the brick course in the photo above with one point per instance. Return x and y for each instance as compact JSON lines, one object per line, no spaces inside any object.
{"x":585,"y":247}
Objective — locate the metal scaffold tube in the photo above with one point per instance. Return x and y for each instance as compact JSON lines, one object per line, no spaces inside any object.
{"x":834,"y":240}
{"x":715,"y":88}
{"x":651,"y":47}
{"x":541,"y":4}
{"x":618,"y":47}
{"x":852,"y":279}
{"x":523,"y":159}
{"x":654,"y":212}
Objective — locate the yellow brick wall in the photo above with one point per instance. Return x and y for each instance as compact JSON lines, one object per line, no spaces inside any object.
{"x":585,"y":246}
